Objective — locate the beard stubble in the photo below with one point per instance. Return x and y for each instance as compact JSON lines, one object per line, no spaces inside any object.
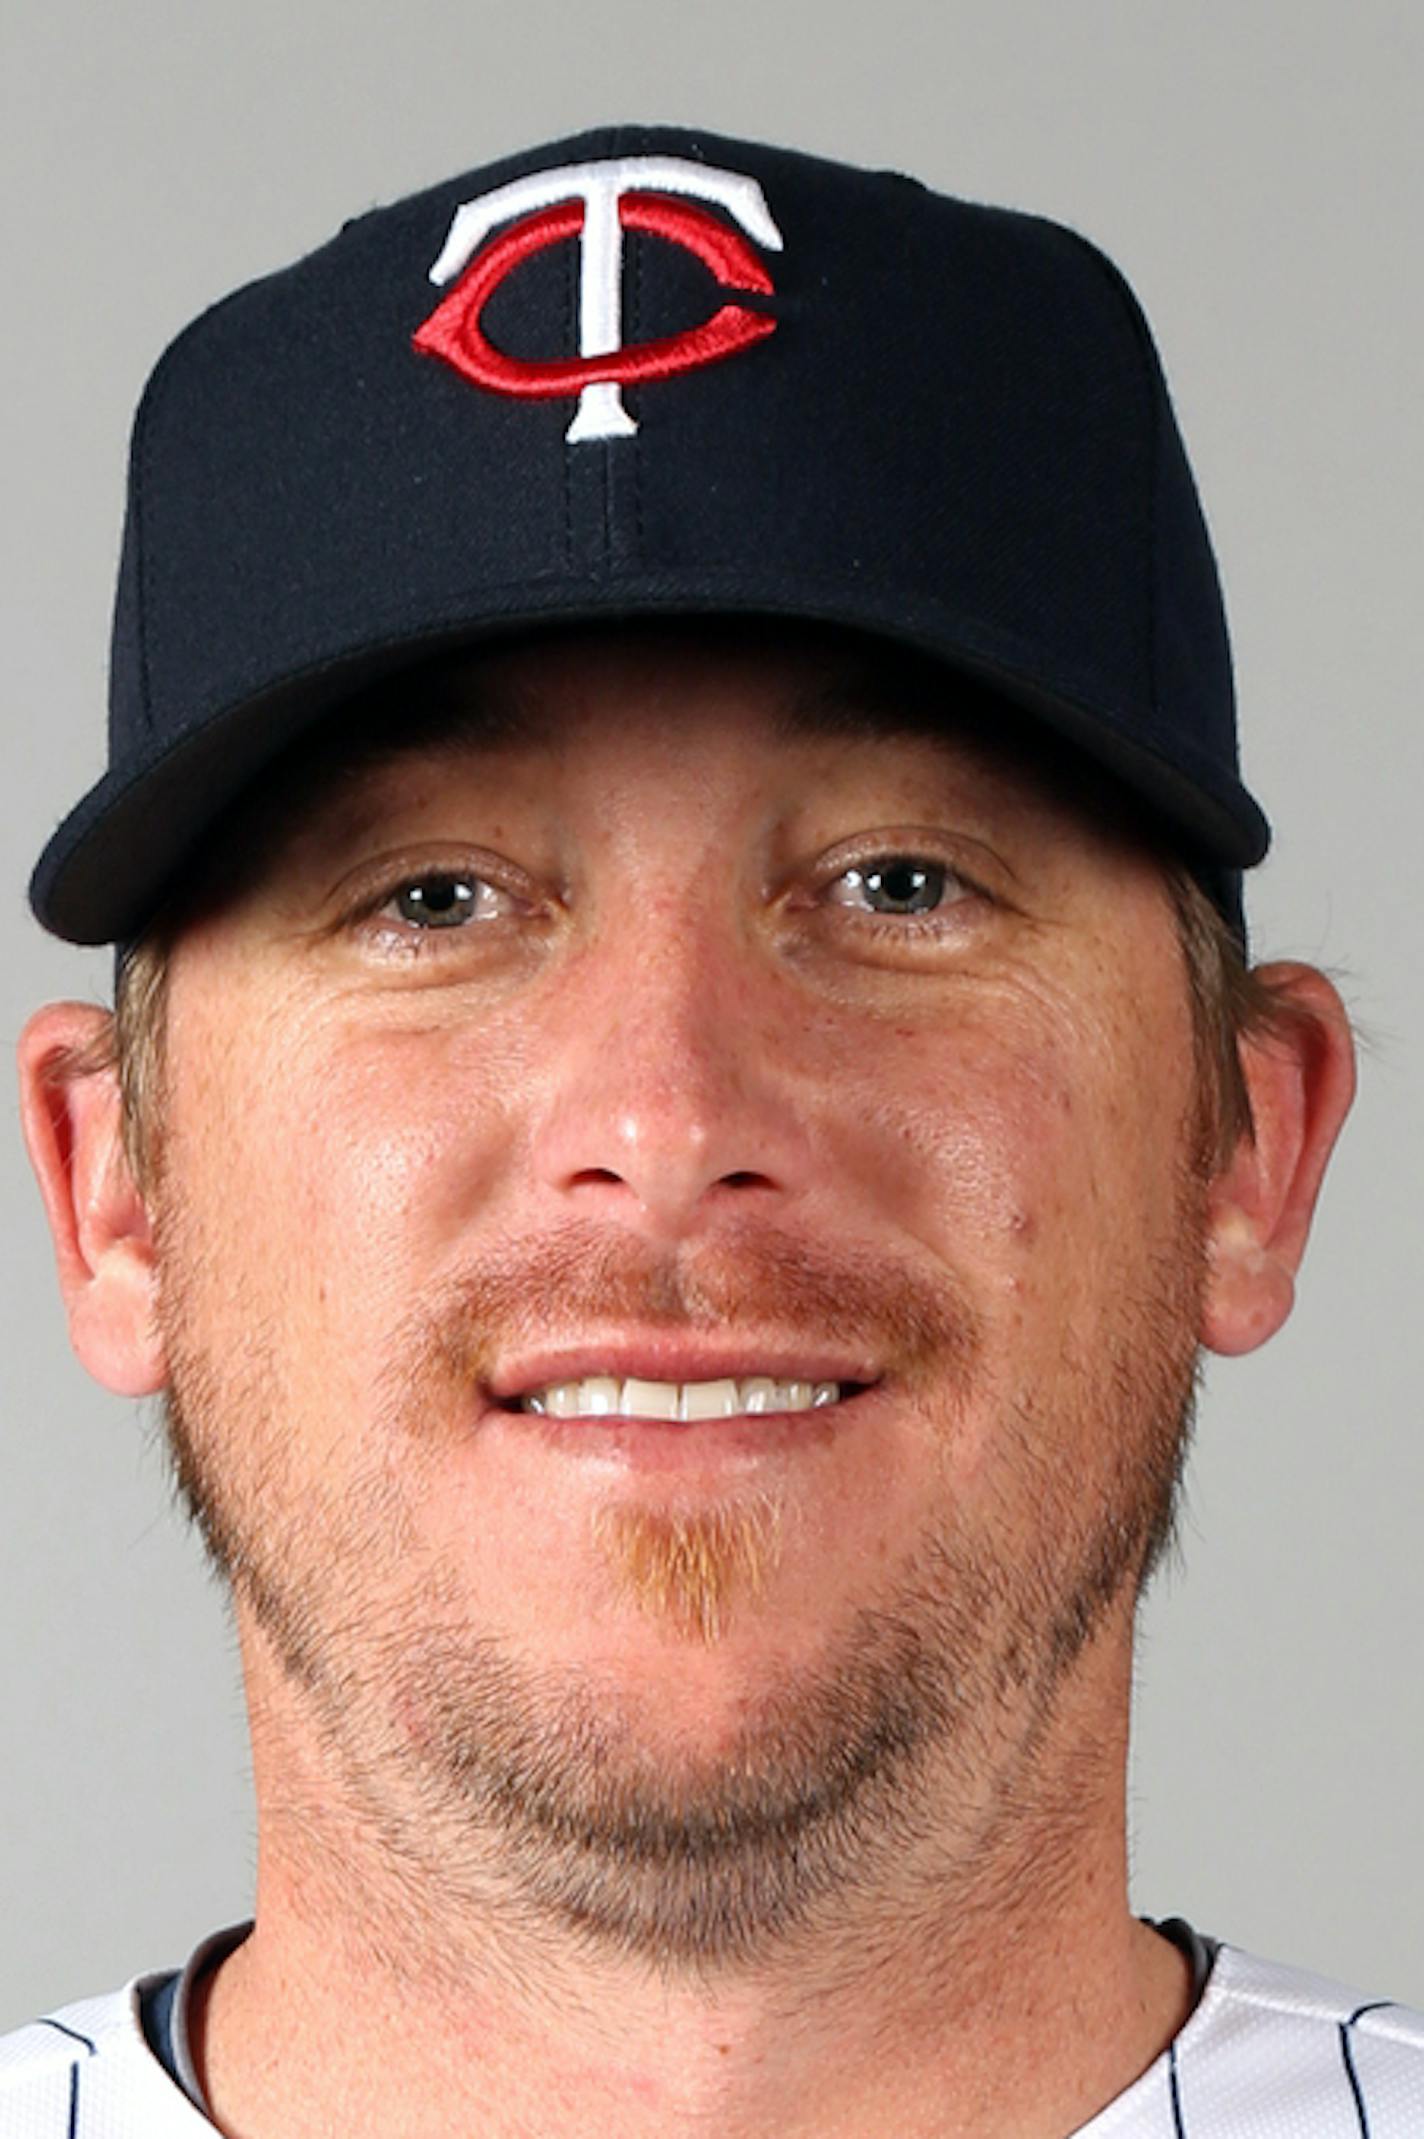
{"x":495,"y":1781}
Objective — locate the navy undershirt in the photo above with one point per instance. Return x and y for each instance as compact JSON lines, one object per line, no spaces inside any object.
{"x":164,"y":2001}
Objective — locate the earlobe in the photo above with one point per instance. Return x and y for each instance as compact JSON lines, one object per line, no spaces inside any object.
{"x":1301,"y":1081}
{"x":72,"y":1118}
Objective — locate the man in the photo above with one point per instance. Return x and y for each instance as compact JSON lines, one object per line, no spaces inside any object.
{"x":685,"y":1096}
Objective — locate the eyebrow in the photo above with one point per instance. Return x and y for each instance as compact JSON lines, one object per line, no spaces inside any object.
{"x":468,"y":710}
{"x":458,"y":709}
{"x":463,"y":714}
{"x":858,"y":700}
{"x":327,"y":779}
{"x":942,"y":706}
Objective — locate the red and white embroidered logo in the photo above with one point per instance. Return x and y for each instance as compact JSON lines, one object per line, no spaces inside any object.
{"x":596,"y":203}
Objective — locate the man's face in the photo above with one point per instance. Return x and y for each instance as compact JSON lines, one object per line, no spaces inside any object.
{"x":691,"y":1015}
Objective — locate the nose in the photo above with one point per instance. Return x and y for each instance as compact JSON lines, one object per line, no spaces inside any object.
{"x":672,"y":1091}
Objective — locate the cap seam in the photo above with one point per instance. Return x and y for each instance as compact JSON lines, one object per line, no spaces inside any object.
{"x":605,"y":478}
{"x":141,"y":462}
{"x":570,"y":253}
{"x":636,"y":445}
{"x":156,"y":391}
{"x":1150,"y":376}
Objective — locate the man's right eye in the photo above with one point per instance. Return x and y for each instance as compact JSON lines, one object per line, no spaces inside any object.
{"x":409,"y":904}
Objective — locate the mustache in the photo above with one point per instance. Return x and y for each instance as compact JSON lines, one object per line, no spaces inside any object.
{"x":574,"y":1280}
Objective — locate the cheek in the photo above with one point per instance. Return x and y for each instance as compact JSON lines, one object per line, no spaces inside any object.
{"x":325,"y":1183}
{"x":1035,"y":1149}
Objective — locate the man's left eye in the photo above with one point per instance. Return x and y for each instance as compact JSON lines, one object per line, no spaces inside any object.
{"x":445,"y":899}
{"x":899,"y":886}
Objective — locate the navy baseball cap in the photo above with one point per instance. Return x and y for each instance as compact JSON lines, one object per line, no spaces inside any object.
{"x":646,"y":373}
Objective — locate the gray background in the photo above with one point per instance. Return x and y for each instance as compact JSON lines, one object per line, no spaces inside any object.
{"x":1251,"y":166}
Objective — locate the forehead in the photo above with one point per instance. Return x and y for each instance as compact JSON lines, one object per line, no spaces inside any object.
{"x":770,"y":695}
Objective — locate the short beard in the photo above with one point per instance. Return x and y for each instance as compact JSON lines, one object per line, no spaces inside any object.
{"x":492,"y":1784}
{"x":835,"y":1778}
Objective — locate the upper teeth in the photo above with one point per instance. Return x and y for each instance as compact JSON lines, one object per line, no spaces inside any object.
{"x":604,"y":1395}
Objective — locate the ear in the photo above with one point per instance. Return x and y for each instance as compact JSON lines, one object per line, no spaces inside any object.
{"x":102,"y":1241}
{"x":1301,"y":1082}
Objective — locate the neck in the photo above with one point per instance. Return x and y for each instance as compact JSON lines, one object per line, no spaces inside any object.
{"x":990,"y":1989}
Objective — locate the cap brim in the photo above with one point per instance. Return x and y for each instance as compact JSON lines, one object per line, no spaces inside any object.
{"x":108,"y":868}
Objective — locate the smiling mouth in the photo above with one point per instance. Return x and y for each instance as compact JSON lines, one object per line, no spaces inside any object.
{"x":607,"y":1396}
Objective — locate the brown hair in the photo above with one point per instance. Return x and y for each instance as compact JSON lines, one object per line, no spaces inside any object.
{"x":1231,"y":1004}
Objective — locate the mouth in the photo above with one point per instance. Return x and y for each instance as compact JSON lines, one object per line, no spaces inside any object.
{"x":613,"y":1396}
{"x":688,"y":1429}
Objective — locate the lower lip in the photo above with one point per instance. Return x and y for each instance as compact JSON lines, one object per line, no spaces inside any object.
{"x":667,"y":1445}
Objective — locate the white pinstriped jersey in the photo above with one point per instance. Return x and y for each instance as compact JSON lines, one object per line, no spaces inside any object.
{"x":1269,"y":2053}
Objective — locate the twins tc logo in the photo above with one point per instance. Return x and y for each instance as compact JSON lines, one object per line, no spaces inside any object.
{"x":596,"y":203}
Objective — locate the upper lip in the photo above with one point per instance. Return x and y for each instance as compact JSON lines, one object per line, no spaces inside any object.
{"x":672,"y":1358}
